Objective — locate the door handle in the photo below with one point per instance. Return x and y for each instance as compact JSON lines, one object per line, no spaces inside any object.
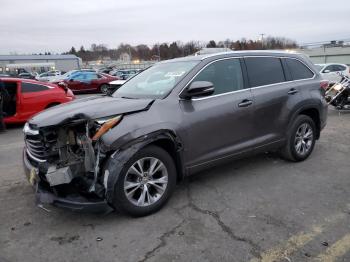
{"x":292,"y":91}
{"x":245,"y":103}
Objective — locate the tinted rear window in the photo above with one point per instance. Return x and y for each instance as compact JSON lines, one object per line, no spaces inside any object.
{"x":29,"y":87}
{"x":298,"y":70}
{"x":264,"y":71}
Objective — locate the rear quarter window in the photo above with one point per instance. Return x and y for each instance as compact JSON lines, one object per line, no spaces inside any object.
{"x":298,"y":70}
{"x":264,"y":71}
{"x":29,"y":88}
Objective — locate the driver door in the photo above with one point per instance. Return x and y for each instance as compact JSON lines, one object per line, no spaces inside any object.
{"x":220,"y":125}
{"x":75,"y":83}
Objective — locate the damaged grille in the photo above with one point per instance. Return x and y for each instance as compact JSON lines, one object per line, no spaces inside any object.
{"x":40,"y":148}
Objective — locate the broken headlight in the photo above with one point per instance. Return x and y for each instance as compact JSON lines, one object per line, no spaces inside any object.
{"x":106,"y":124}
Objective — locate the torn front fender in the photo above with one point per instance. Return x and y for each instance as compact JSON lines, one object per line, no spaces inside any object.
{"x":116,"y":162}
{"x":114,"y":167}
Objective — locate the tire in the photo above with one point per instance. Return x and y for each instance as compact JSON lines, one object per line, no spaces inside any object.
{"x":132,"y":204}
{"x":104,"y":89}
{"x":293,"y":151}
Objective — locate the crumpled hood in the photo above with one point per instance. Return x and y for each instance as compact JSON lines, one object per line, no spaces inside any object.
{"x":89,"y":108}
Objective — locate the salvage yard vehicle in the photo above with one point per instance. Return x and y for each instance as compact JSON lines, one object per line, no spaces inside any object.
{"x":124,"y":74}
{"x":332,"y":71}
{"x":338,"y":95}
{"x":127,"y":151}
{"x":29,"y":97}
{"x":86,"y":81}
{"x":47,"y":76}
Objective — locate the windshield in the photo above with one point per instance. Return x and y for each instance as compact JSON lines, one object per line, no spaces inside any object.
{"x":155,"y":82}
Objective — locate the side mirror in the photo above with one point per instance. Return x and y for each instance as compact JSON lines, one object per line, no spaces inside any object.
{"x":198,"y":88}
{"x":326,"y":71}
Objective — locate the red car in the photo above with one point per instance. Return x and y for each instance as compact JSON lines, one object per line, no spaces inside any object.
{"x":89,"y":82}
{"x":28,"y":97}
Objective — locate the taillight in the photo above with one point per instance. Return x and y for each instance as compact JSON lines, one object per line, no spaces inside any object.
{"x":324,"y":84}
{"x":69,"y":93}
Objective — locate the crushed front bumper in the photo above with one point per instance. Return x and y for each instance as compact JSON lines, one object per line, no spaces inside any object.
{"x":72,"y":202}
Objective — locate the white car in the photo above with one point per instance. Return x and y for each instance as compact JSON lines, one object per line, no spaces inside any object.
{"x":47,"y":76}
{"x":331,"y":71}
{"x":114,"y":85}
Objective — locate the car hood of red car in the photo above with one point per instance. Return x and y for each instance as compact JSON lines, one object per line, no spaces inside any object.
{"x":88,"y":108}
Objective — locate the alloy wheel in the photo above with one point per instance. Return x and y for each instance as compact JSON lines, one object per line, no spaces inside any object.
{"x":303,"y":139}
{"x":146,"y":181}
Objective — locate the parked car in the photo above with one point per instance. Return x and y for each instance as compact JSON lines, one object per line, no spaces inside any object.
{"x":125,"y":73}
{"x":27,"y":75}
{"x":47,"y":76}
{"x":5,"y":75}
{"x":331,"y":71}
{"x":89,"y":82}
{"x":29,"y":97}
{"x":179,"y":117}
{"x":105,"y":70}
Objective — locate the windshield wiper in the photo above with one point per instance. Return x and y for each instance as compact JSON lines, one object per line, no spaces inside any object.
{"x":126,"y":97}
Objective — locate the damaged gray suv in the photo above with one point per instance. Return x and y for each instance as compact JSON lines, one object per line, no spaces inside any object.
{"x":127,"y":151}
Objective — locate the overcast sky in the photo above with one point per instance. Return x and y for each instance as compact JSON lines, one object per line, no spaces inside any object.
{"x":48,"y":25}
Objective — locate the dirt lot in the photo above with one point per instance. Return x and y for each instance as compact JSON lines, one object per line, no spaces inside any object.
{"x":257,"y":209}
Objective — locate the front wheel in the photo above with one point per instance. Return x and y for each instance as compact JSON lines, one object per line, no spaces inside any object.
{"x":104,"y":89}
{"x":146,"y":182}
{"x":300,"y":139}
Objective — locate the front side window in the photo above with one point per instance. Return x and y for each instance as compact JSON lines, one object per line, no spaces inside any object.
{"x":298,"y":69}
{"x":157,"y":81}
{"x":29,"y":87}
{"x":264,"y":71}
{"x":226,"y":76}
{"x":78,"y":77}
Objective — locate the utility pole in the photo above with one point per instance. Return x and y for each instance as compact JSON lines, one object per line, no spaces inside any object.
{"x":262,"y":41}
{"x":158,"y":52}
{"x":130,"y":53}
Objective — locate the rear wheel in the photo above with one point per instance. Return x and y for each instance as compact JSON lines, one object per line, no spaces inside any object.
{"x":146,"y":182}
{"x":104,"y":89}
{"x":301,"y":139}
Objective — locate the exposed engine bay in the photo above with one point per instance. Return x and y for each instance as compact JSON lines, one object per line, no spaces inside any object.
{"x":68,"y":158}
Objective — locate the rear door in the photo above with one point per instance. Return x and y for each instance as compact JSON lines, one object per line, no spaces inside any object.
{"x":219,"y":125}
{"x":96,"y":80}
{"x":273,"y":98}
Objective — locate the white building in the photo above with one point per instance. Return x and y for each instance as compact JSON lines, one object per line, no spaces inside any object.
{"x":323,"y":55}
{"x":38,"y":63}
{"x":124,"y":57}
